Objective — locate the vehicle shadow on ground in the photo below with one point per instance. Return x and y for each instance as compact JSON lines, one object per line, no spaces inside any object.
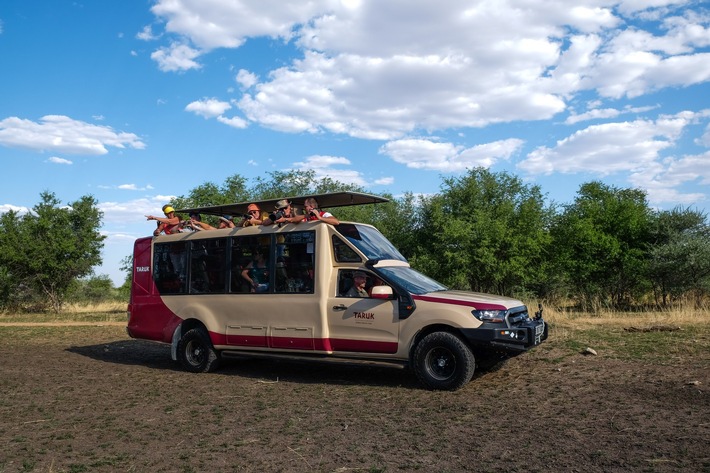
{"x":157,"y":356}
{"x":129,"y":352}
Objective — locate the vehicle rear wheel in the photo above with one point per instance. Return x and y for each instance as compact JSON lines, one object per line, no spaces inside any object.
{"x":196,"y":353}
{"x":441,"y":360}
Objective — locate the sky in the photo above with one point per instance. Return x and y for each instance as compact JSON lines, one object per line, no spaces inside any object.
{"x":134,"y":102}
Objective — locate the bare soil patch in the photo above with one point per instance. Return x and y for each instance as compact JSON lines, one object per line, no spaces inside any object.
{"x":89,"y":398}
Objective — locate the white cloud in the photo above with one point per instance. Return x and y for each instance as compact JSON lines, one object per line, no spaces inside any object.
{"x":146,"y":34}
{"x":447,"y":157}
{"x":246,"y":79}
{"x":208,"y":108}
{"x":57,"y":160}
{"x":134,"y":211}
{"x":223,"y":24}
{"x":705,"y":139}
{"x":332,"y":167}
{"x":603,"y":113}
{"x":213,"y":108}
{"x":384,"y":70}
{"x":234,"y":122}
{"x":666,"y":181}
{"x":629,"y":7}
{"x":385,"y":181}
{"x":62,"y":134}
{"x":608,"y":148}
{"x":176,"y":57}
{"x":4,"y":208}
{"x":635,"y":149}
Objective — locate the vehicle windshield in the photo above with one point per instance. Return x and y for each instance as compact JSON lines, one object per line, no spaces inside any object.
{"x":411,"y":280}
{"x":370,"y":241}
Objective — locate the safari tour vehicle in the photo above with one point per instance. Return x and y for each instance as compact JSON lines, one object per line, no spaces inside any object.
{"x":192,"y":290}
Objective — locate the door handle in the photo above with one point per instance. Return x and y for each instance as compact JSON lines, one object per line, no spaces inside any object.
{"x":340,"y":307}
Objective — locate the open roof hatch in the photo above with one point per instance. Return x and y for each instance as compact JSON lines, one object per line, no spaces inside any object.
{"x":329,"y":200}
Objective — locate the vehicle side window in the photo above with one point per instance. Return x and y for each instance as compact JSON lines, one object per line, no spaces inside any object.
{"x":250,"y":273}
{"x":170,"y":267}
{"x":208,"y":264}
{"x":352,"y":284}
{"x":343,"y":253}
{"x":294,"y":267}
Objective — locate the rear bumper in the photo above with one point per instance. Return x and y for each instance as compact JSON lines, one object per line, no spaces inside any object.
{"x":513,"y":340}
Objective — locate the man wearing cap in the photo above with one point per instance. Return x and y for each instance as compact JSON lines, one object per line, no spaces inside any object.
{"x":284,"y":212}
{"x":168,"y":224}
{"x":252,"y":217}
{"x":358,"y":289}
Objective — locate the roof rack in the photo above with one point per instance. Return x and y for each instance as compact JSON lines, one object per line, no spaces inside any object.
{"x":329,"y":200}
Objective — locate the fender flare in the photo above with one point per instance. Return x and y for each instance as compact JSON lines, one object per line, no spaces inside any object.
{"x":177,"y":335}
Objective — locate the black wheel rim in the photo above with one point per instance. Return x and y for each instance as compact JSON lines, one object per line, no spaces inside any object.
{"x":195,"y":353}
{"x":440,"y":363}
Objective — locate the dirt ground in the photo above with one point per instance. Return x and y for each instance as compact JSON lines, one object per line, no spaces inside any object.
{"x":75,"y":399}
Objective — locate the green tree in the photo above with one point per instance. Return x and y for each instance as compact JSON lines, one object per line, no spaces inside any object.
{"x":93,"y":289}
{"x":679,"y":255}
{"x":292,"y":183}
{"x":600,"y":244}
{"x":127,"y":267}
{"x":48,"y":248}
{"x":397,"y":219}
{"x":484,"y":232}
{"x":233,"y":189}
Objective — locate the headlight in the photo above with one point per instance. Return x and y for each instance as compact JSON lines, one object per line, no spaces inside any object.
{"x":489,"y":315}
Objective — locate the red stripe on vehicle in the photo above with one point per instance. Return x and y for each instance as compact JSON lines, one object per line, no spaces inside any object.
{"x":475,"y":305}
{"x":294,"y":343}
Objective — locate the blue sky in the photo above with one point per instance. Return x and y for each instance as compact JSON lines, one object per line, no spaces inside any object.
{"x":137,"y":101}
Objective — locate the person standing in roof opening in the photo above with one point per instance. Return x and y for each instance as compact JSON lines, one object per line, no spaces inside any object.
{"x":225,"y":221}
{"x":313,"y":213}
{"x":284,"y":214}
{"x":252,"y":217}
{"x":169,"y":224}
{"x":193,"y":223}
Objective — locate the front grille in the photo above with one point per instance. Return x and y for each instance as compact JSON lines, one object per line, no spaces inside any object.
{"x":518,"y":315}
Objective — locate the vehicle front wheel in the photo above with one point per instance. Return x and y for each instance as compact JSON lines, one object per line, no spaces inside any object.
{"x":196,"y":353}
{"x":441,"y":360}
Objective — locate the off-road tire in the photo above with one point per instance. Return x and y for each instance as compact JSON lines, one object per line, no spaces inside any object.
{"x":196,"y":353}
{"x":442,"y":361}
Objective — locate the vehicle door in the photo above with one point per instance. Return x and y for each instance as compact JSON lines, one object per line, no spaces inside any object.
{"x":360,"y":322}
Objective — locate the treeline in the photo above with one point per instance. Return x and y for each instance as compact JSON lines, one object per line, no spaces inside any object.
{"x":491,"y":232}
{"x":483,"y":231}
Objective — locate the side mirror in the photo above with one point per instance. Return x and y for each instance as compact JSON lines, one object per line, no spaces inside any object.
{"x":382,"y":292}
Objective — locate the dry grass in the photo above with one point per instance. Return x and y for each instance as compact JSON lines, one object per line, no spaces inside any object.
{"x":661,"y":335}
{"x":609,"y":318}
{"x":102,"y":312}
{"x":113,"y":306}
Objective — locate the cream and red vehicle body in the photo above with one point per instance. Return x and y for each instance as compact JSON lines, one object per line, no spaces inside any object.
{"x":408,"y":319}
